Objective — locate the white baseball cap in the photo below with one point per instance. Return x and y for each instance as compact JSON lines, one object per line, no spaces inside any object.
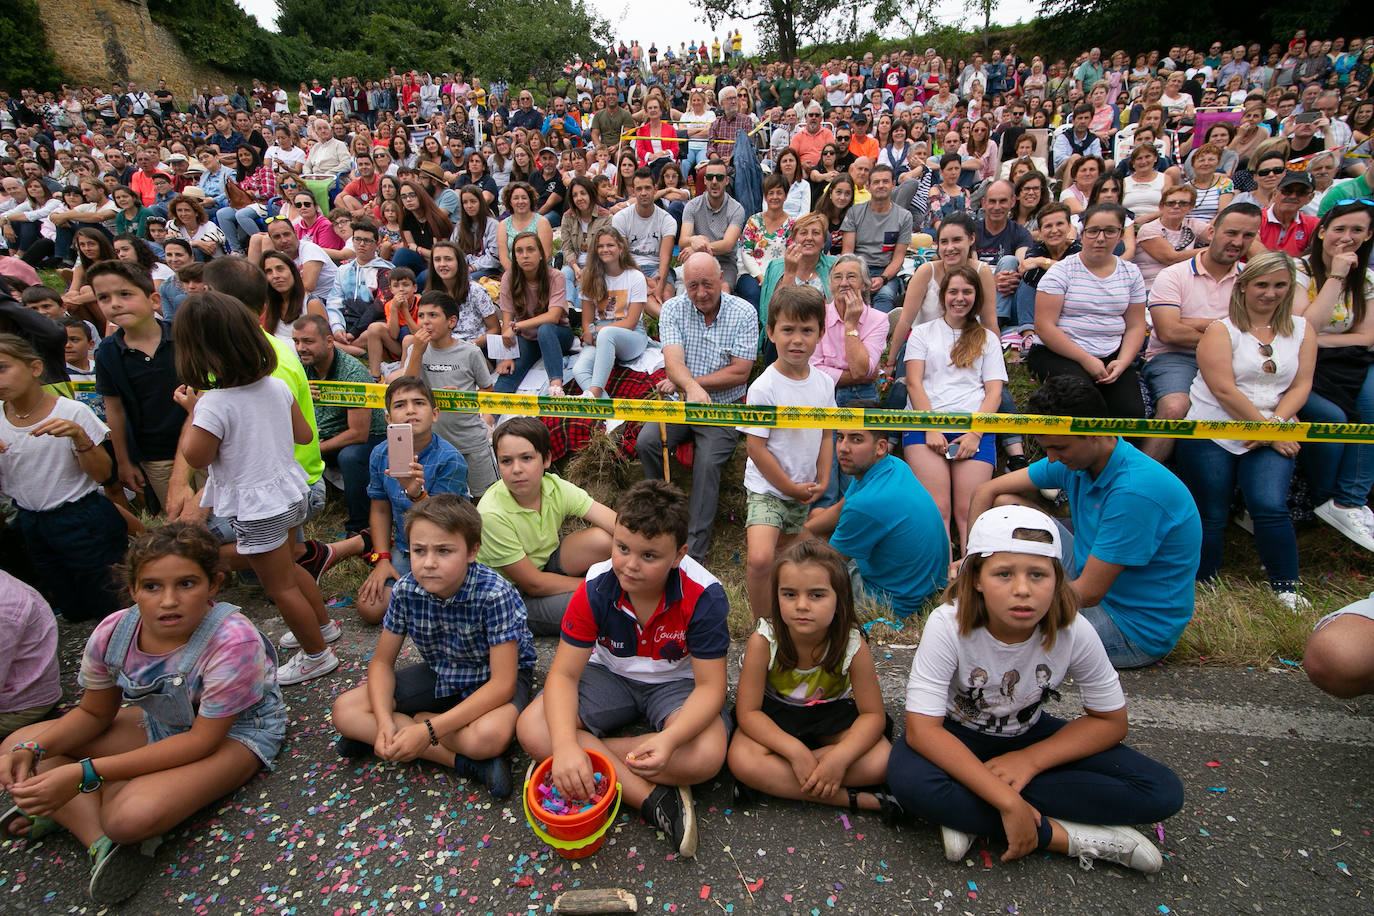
{"x":993,"y":532}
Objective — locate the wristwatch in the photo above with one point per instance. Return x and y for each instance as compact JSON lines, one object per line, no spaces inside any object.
{"x":854,"y":333}
{"x":377,"y":556}
{"x":90,"y":779}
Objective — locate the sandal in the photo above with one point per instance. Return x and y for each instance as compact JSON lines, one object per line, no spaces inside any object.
{"x":117,"y":872}
{"x":556,"y":389}
{"x":39,"y":827}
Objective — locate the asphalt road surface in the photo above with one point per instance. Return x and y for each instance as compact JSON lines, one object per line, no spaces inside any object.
{"x":1277,"y":819}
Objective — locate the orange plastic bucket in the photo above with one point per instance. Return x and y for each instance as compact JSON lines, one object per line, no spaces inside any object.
{"x":581,"y":833}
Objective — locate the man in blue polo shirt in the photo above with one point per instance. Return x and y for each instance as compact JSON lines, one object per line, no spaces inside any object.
{"x":1133,"y":553}
{"x":887,"y":524}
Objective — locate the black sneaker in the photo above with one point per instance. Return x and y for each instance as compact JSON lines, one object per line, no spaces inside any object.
{"x":353,"y":748}
{"x":670,"y":809}
{"x":889,"y":809}
{"x":316,"y":559}
{"x":743,"y":796}
{"x":1017,"y":462}
{"x":494,"y":773}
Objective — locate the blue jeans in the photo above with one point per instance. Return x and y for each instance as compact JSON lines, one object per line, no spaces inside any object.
{"x":1121,"y":652}
{"x":238,"y":226}
{"x":574,"y":294}
{"x":351,"y":460}
{"x":1211,"y":474}
{"x":1006,"y":302}
{"x":1343,"y":472}
{"x":410,"y":259}
{"x":1118,"y":786}
{"x":594,"y":364}
{"x":748,"y":289}
{"x":694,"y":158}
{"x":1025,"y":307}
{"x":552,"y":342}
{"x":886,"y":297}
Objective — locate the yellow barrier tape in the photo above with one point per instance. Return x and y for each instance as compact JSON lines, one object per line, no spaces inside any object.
{"x":353,"y":394}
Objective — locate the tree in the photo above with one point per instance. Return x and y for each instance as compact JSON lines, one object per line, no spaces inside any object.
{"x":534,"y":40}
{"x":787,"y":22}
{"x":27,"y":63}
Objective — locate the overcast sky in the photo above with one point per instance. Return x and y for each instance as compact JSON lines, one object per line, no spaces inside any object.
{"x":677,"y":21}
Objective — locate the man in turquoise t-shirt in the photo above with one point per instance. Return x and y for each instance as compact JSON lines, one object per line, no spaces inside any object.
{"x":887,"y":524}
{"x":1133,"y":552}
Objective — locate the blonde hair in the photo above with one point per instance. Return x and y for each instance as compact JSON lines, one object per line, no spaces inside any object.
{"x":1267,"y":263}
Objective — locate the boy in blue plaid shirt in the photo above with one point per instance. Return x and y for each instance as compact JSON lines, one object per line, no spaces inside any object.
{"x":458,"y":706}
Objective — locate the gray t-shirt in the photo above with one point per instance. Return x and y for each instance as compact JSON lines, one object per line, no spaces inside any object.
{"x":877,"y":234}
{"x":714,"y":224}
{"x":462,"y":366}
{"x":645,"y":234}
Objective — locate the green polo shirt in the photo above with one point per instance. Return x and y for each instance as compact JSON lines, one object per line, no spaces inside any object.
{"x":511,"y":532}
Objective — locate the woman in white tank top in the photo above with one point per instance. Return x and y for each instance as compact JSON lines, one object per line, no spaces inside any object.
{"x":1255,"y":365}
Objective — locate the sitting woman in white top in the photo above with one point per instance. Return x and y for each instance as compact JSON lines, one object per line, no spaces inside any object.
{"x":1256,"y":365}
{"x":613,"y":295}
{"x":954,"y":364}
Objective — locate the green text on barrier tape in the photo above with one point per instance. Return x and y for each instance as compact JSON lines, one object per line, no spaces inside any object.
{"x":352,"y":394}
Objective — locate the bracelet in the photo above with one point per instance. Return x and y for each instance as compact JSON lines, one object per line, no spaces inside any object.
{"x":32,"y":746}
{"x":433,"y":738}
{"x":82,"y":451}
{"x":1340,"y":277}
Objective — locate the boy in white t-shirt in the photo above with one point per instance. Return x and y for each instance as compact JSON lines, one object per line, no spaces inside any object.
{"x":788,"y":469}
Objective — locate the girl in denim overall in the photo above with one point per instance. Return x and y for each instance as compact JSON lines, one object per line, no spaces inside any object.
{"x":205,"y":715}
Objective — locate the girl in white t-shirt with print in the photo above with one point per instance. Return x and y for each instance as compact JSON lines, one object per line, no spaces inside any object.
{"x":615,"y":292}
{"x":954,"y":364}
{"x":244,"y":424}
{"x":980,"y":755}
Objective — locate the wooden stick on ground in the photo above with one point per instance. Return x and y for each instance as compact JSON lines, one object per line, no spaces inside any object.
{"x":589,"y":902}
{"x":663,"y":434}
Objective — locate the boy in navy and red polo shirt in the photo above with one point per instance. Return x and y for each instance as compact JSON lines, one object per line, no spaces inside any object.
{"x":652,"y":623}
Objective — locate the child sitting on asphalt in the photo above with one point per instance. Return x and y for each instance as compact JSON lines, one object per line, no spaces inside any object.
{"x":644,"y":638}
{"x":458,"y":705}
{"x":523,"y":515}
{"x":205,"y":714}
{"x":809,"y":707}
{"x":788,"y":469}
{"x":980,"y":755}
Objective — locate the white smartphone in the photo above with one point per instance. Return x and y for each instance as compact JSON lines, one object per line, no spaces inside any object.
{"x":400,"y":449}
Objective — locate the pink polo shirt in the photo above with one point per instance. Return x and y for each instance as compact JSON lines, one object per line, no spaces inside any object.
{"x":1193,"y":291}
{"x":830,"y":355}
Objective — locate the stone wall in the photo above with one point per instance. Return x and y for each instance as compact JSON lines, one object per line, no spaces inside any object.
{"x":96,"y":41}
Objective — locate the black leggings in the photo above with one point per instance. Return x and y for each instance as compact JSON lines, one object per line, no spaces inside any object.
{"x":1123,"y":396}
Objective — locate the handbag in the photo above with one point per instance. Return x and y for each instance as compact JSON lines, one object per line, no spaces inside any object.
{"x":238,"y":197}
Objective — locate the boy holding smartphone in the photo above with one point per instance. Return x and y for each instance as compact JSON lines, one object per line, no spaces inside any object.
{"x":396,"y":485}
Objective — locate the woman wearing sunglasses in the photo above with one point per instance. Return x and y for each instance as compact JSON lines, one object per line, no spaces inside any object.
{"x":1256,"y":364}
{"x":1266,"y":169}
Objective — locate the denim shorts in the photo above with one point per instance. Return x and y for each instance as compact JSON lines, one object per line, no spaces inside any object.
{"x":987,"y":446}
{"x":787,"y":515}
{"x":1169,"y":373}
{"x":607,"y":702}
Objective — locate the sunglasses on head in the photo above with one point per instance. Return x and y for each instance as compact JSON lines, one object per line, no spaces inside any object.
{"x":1364,"y":201}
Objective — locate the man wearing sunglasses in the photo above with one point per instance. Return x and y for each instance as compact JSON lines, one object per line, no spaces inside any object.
{"x":1284,"y":227}
{"x":810,"y":140}
{"x":712,"y":222}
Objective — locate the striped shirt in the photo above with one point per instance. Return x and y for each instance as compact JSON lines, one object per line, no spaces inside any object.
{"x":455,"y":636}
{"x":1094,"y":313}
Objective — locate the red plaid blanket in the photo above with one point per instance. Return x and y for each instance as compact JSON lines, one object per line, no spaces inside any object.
{"x":570,"y":435}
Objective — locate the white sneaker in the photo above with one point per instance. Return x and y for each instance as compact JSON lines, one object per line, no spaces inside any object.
{"x":1245,"y":521}
{"x":1122,"y":845}
{"x":1293,"y":601}
{"x":956,"y":843}
{"x":1349,"y":522}
{"x":330,"y":631}
{"x":1051,"y":494}
{"x":302,"y":667}
{"x":1367,"y":516}
{"x":613,"y":424}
